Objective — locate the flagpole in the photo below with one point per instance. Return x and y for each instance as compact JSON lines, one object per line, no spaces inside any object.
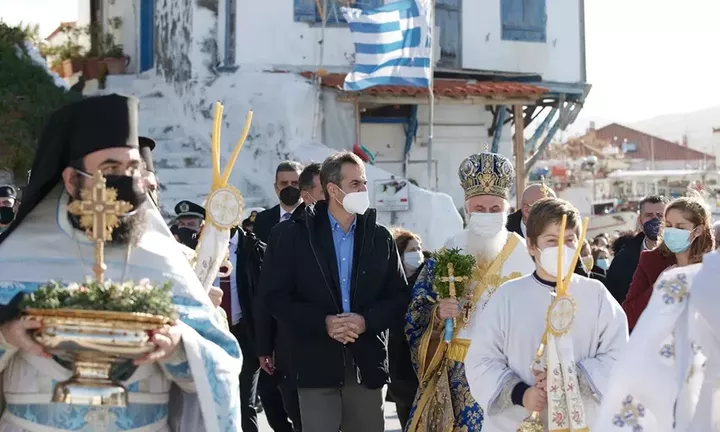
{"x":431,"y":95}
{"x":318,"y":73}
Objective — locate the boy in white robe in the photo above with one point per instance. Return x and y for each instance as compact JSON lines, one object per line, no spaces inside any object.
{"x":505,"y":342}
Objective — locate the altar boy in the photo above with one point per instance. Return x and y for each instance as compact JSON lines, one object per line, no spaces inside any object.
{"x":588,"y":329}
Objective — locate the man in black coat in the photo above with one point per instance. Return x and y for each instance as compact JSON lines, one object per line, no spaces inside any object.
{"x":273,"y":345}
{"x":516,"y":222}
{"x":287,"y":179}
{"x":622,"y":268}
{"x":337,"y":288}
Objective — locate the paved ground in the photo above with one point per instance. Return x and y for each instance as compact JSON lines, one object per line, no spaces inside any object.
{"x":391,"y":421}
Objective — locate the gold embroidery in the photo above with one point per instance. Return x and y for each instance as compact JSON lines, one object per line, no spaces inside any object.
{"x":458,"y":349}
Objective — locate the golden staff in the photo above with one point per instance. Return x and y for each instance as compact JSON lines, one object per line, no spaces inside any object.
{"x":532,"y":423}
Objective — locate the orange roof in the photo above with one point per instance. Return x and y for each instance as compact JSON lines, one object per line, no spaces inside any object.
{"x":60,"y":28}
{"x":453,"y":88}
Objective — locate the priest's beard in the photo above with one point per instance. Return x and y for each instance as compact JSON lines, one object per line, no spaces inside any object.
{"x":486,"y":247}
{"x":128,"y":232}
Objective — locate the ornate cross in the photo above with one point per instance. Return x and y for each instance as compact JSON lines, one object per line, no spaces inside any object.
{"x":98,"y":209}
{"x":451,"y":279}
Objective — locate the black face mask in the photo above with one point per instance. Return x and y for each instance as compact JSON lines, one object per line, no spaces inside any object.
{"x":127,"y":189}
{"x":290,"y":196}
{"x":188,"y":237}
{"x":132,"y":225}
{"x":7,"y":215}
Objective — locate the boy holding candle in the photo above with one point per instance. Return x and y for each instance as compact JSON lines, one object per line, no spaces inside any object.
{"x":569,"y":327}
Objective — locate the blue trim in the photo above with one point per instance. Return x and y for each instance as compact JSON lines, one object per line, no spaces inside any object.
{"x":498,"y":129}
{"x":147,"y":35}
{"x":530,"y":144}
{"x":378,"y":81}
{"x":385,"y":120}
{"x":523,"y":20}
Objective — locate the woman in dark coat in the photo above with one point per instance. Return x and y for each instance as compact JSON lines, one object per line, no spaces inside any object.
{"x":403,"y":381}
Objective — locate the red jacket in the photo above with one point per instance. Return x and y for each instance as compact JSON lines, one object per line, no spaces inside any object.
{"x":651,"y":264}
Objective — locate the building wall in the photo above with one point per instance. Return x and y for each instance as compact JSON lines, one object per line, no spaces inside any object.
{"x":267,"y":34}
{"x":127,"y":34}
{"x":559,"y":58}
{"x":460,"y":130}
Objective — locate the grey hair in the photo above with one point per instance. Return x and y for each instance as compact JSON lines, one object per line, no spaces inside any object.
{"x":331,"y":171}
{"x":288,"y":166}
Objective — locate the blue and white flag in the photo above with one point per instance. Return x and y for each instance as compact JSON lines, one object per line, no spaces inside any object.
{"x":393,"y":45}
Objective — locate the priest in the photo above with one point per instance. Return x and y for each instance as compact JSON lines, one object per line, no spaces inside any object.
{"x":45,"y":243}
{"x":666,"y":378}
{"x":588,"y":326}
{"x":443,"y":401}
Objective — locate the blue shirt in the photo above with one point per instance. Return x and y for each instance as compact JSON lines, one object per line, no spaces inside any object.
{"x":344,"y":250}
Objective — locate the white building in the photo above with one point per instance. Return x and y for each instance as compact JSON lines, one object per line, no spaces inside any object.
{"x":526,"y":56}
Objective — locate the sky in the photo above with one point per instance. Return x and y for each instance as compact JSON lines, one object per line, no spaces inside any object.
{"x":645,"y":58}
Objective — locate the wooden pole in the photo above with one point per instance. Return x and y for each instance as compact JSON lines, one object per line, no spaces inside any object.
{"x":519,"y":154}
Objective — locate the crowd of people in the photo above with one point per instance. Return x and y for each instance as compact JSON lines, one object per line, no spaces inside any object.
{"x":321,"y":307}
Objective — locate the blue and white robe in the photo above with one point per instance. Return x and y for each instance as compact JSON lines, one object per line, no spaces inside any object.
{"x":45,"y":247}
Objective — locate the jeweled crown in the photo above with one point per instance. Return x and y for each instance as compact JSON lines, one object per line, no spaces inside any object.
{"x":486,"y":174}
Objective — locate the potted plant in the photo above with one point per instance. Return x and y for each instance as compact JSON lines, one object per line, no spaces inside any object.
{"x":91,"y":63}
{"x":70,"y":52}
{"x":113,"y":54}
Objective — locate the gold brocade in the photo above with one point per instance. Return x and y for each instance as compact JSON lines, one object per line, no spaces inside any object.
{"x":458,"y":349}
{"x":434,"y":408}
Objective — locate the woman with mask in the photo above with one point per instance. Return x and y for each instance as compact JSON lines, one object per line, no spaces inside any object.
{"x":403,"y":381}
{"x":686,"y":237}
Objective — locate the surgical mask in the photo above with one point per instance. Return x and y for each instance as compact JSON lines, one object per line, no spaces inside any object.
{"x":356,"y":202}
{"x":487,"y":224}
{"x":549,"y":260}
{"x":290,"y":196}
{"x":7,"y":215}
{"x":677,"y":240}
{"x":603,"y":263}
{"x":651,"y":228}
{"x":588,"y":262}
{"x":413,"y":260}
{"x":127,"y":187}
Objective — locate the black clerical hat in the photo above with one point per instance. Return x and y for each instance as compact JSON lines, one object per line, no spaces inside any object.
{"x":71,"y":133}
{"x":189,"y":209}
{"x":7,"y":191}
{"x":147,"y":145}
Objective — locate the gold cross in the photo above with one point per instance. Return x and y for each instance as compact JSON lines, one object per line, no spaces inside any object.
{"x":99,"y":209}
{"x":451,"y":279}
{"x":543,"y":188}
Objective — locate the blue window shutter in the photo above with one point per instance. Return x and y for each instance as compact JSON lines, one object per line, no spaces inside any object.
{"x":305,"y":10}
{"x":524,"y":20}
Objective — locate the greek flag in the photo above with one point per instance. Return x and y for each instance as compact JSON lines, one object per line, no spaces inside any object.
{"x":393,"y":45}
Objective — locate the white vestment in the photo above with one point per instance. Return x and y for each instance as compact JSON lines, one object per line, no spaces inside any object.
{"x":517,"y":264}
{"x":45,"y":247}
{"x":511,"y":329}
{"x":664,"y":380}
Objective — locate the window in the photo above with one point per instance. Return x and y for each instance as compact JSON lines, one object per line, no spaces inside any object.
{"x":524,"y":20}
{"x":308,"y":11}
{"x":629,"y":147}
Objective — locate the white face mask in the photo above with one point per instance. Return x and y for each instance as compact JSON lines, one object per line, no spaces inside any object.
{"x":487,"y":224}
{"x":413,"y":260}
{"x":356,"y":202}
{"x":549,"y":260}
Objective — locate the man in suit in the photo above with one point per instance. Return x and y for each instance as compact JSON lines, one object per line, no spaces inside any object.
{"x":335,"y":283}
{"x":273,"y":344}
{"x":517,"y":221}
{"x":287,"y":178}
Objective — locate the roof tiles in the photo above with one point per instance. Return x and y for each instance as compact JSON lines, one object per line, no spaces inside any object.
{"x":451,"y":88}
